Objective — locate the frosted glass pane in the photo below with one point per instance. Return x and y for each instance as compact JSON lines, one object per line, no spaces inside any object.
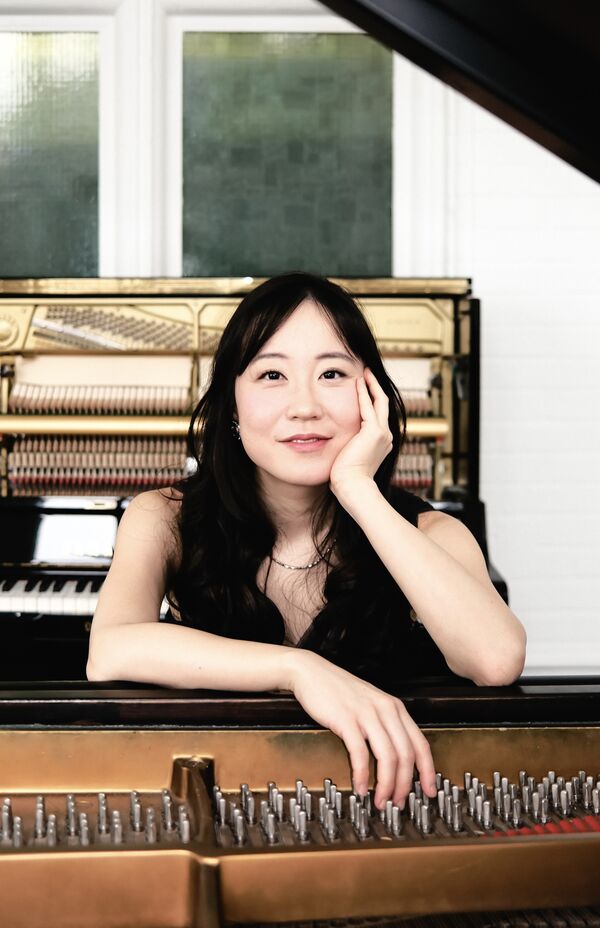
{"x":48,"y":154}
{"x":287,"y":154}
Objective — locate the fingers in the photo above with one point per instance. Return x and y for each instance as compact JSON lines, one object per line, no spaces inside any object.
{"x":365,"y":403}
{"x":398,"y":746}
{"x":423,"y":757}
{"x":380,"y":399}
{"x":359,"y":759}
{"x":386,"y":753}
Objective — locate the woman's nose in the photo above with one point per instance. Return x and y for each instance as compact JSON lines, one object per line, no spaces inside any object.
{"x":303,"y":402}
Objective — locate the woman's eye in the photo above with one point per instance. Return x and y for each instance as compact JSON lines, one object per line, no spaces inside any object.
{"x":267,"y":373}
{"x":341,"y":373}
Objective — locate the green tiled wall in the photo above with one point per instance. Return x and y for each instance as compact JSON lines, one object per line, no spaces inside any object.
{"x":48,"y":154}
{"x":286,"y":154}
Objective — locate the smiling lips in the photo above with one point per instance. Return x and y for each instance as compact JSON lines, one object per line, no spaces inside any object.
{"x":306,"y":442}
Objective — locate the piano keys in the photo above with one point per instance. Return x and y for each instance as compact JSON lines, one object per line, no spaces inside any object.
{"x":49,"y":594}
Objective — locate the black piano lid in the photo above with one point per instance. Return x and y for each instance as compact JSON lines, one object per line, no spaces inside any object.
{"x":532,"y":701}
{"x":533,"y":63}
{"x":59,"y":532}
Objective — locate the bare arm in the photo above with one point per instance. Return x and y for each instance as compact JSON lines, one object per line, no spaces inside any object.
{"x":128,"y":643}
{"x":442,"y":571}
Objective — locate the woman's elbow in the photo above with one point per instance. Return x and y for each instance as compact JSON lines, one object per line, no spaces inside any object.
{"x":97,"y":672}
{"x":99,"y":667}
{"x":506,"y":669}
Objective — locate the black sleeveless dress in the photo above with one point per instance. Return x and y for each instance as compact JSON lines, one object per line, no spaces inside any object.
{"x":407,"y":651}
{"x":372,"y":631}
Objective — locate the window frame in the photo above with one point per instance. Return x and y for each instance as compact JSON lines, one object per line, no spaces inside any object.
{"x":140,"y":193}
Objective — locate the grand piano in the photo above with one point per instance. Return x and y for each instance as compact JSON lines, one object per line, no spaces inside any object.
{"x":127,"y":805}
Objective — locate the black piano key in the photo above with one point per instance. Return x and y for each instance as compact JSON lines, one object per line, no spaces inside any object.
{"x":81,"y":585}
{"x":31,"y":585}
{"x":8,"y":584}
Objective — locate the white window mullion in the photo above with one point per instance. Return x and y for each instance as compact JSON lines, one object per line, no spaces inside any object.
{"x":172,"y":246}
{"x":131,"y":245}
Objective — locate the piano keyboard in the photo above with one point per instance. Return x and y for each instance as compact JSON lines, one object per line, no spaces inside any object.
{"x":50,"y":596}
{"x":53,"y":596}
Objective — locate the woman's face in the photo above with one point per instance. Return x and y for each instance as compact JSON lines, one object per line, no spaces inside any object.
{"x":301,"y":383}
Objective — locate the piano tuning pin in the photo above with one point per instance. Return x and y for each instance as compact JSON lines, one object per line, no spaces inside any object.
{"x":136,"y":816}
{"x":7,"y":819}
{"x":279,"y":804}
{"x":441,"y":798}
{"x":479,"y":804}
{"x":51,"y":834}
{"x":338,"y":804}
{"x":471,"y":800}
{"x":457,"y":821}
{"x":116,"y":827}
{"x":411,"y":805}
{"x":396,"y":821}
{"x":84,"y":829}
{"x":487,"y":815}
{"x":250,"y":810}
{"x":239,"y":829}
{"x":17,"y":836}
{"x":222,"y":811}
{"x":516,"y":813}
{"x":151,"y":830}
{"x":308,"y":805}
{"x":271,"y":828}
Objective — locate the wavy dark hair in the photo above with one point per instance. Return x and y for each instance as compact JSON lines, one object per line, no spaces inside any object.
{"x":224,"y":531}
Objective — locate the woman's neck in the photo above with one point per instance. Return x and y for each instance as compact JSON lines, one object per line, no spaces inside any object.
{"x":291,"y":508}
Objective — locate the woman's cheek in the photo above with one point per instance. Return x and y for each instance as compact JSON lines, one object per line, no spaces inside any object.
{"x":347,"y":410}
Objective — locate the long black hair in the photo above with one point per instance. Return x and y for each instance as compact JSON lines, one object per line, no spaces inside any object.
{"x":224,"y":531}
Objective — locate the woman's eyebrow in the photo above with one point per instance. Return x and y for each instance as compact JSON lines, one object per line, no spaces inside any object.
{"x":318,"y":357}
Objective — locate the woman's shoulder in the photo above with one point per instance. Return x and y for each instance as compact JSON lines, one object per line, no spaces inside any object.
{"x":151,"y":516}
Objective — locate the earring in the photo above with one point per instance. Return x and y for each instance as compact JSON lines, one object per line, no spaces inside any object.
{"x":235,"y":428}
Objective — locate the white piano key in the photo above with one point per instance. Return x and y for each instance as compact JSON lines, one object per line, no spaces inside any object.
{"x":17,"y":598}
{"x":69,"y":595}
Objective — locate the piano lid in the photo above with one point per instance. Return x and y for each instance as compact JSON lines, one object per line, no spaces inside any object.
{"x":533,"y":63}
{"x":58,"y":532}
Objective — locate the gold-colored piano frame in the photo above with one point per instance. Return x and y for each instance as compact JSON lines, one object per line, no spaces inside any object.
{"x":411,"y":318}
{"x":207,"y":885}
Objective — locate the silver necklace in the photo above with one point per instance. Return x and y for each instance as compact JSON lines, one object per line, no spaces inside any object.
{"x":306,"y":566}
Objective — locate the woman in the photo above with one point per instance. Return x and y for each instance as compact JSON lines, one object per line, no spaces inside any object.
{"x":289,"y":561}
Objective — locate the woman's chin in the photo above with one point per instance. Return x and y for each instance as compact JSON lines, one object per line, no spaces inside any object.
{"x":299,"y":477}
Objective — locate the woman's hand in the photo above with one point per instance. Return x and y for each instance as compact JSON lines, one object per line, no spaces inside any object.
{"x":358,"y":712}
{"x":361,"y":457}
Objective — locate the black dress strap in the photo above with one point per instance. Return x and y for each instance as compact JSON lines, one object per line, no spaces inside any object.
{"x":409,"y":505}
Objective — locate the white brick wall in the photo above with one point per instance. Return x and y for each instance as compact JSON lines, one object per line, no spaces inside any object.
{"x":526,"y":227}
